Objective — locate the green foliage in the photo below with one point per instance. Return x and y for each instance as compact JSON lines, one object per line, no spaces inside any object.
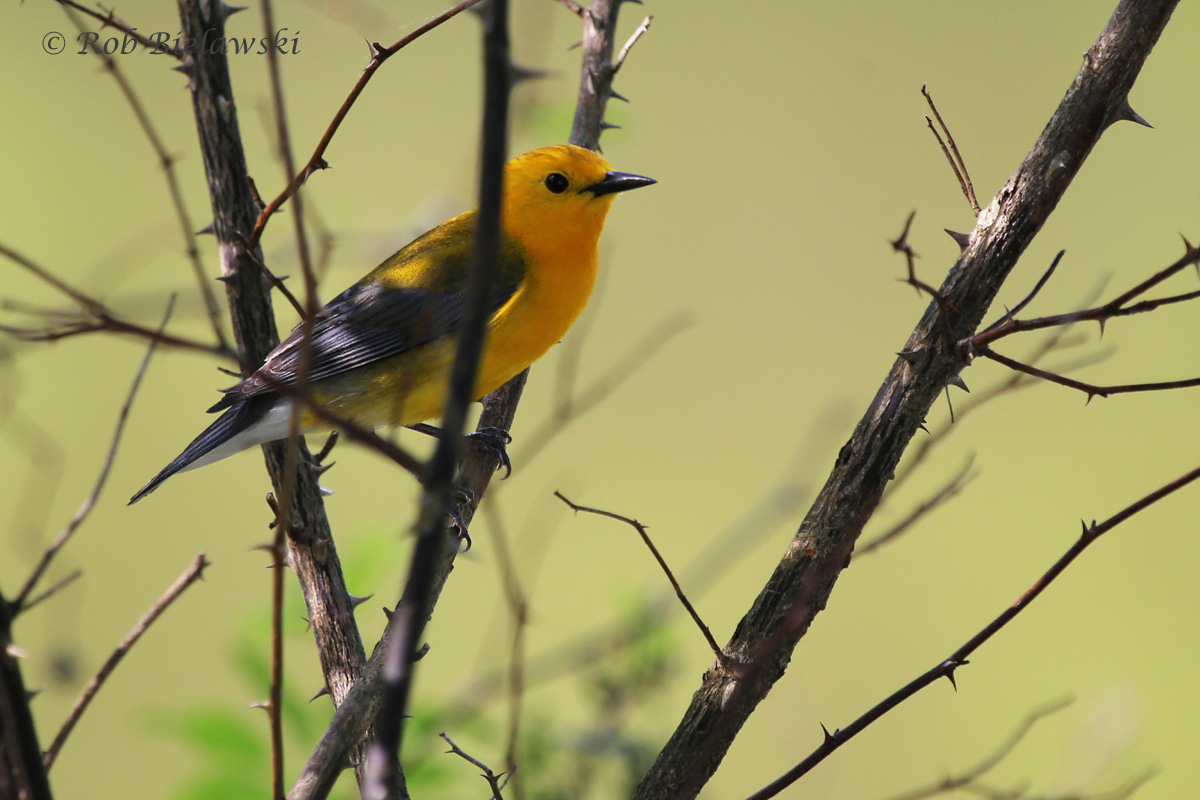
{"x":559,"y":759}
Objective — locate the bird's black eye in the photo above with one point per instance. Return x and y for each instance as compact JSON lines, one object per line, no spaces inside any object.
{"x":557,"y":182}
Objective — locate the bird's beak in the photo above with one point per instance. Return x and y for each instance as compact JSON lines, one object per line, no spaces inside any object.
{"x":618,"y":182}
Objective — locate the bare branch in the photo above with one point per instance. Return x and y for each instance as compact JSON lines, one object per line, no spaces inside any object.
{"x":167,"y":163}
{"x":633,"y":38}
{"x":488,"y":775}
{"x":110,"y":19}
{"x":797,"y":591}
{"x":189,"y":576}
{"x":947,"y":492}
{"x":641,"y":529}
{"x":956,"y":160}
{"x":90,"y":501}
{"x":970,"y":776}
{"x":317,"y":160}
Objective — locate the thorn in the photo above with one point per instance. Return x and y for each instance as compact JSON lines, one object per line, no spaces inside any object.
{"x":1090,"y":395}
{"x":387,"y":612}
{"x":320,"y":469}
{"x":635,"y":2}
{"x":1085,"y":533}
{"x":950,"y":672}
{"x":1101,"y":321}
{"x":227,"y":11}
{"x":956,"y":380}
{"x":828,"y":735}
{"x":617,"y":95}
{"x":211,"y":230}
{"x":265,"y":705}
{"x":921,"y":425}
{"x":324,"y":491}
{"x":225,"y":278}
{"x":358,"y":601}
{"x":32,"y":693}
{"x":962,"y":239}
{"x":604,"y":124}
{"x":324,"y":691}
{"x":187,"y":67}
{"x":1186,"y":243}
{"x":421,"y":652}
{"x":911,"y":356}
{"x":1126,"y":112}
{"x":15,"y":651}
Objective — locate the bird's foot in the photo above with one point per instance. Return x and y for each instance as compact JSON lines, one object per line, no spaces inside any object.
{"x":458,"y":527}
{"x":495,"y":442}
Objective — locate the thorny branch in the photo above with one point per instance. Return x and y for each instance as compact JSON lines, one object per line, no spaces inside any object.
{"x":316,"y":161}
{"x":1120,"y":306}
{"x":946,"y":668}
{"x":499,"y":410}
{"x":764,"y":640}
{"x":493,"y":780}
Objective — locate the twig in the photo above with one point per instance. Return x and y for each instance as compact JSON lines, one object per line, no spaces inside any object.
{"x":101,"y":318}
{"x":279,"y":285}
{"x":947,"y":492}
{"x":57,"y":587}
{"x":189,"y":576}
{"x":630,"y":42}
{"x":950,"y":783}
{"x":1116,"y":307}
{"x":956,"y":161}
{"x":797,"y":590}
{"x":900,"y":245}
{"x":1090,"y":389}
{"x":432,"y":539}
{"x":317,"y":160}
{"x":1027,"y":299}
{"x":959,"y":657}
{"x":110,"y":19}
{"x":641,"y":529}
{"x":167,"y":162}
{"x":90,"y":501}
{"x":488,"y":775}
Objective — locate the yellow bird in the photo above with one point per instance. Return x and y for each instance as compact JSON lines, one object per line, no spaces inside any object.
{"x":382,"y":349}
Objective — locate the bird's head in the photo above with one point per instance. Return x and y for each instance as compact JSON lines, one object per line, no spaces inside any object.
{"x":561,"y":191}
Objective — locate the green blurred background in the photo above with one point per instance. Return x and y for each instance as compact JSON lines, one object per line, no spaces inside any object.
{"x":789,"y":144}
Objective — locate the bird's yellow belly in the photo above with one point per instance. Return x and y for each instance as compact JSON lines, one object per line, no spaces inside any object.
{"x":411,"y":387}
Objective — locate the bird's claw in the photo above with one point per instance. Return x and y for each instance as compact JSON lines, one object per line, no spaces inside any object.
{"x":495,"y":441}
{"x":458,"y":526}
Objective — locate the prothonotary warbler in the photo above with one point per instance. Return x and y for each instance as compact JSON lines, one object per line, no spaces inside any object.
{"x":382,"y":349}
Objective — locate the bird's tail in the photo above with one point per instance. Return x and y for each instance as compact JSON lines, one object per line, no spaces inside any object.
{"x":250,"y":422}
